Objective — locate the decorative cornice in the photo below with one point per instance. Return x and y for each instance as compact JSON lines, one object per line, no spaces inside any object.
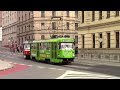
{"x":102,"y":25}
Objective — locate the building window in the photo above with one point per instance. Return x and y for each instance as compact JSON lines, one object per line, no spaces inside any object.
{"x":83,"y":41}
{"x":93,"y":15}
{"x":82,"y":16}
{"x":76,"y":26}
{"x":42,"y":13}
{"x":100,"y":41}
{"x":19,"y":41}
{"x":108,"y":40}
{"x":22,"y":18}
{"x":22,"y":30}
{"x":22,"y":41}
{"x":19,"y":19}
{"x":76,"y":39}
{"x":68,"y":26}
{"x":117,"y":13}
{"x":117,"y":39}
{"x":19,"y":31}
{"x":76,"y":14}
{"x":67,"y":13}
{"x":42,"y":37}
{"x":25,"y":28}
{"x":42,"y":26}
{"x":67,"y":36}
{"x":29,"y":15}
{"x":108,"y":14}
{"x":29,"y":27}
{"x":25,"y":38}
{"x":93,"y":40}
{"x":53,"y":13}
{"x":100,"y":15}
{"x":53,"y":25}
{"x":25,"y":17}
{"x":29,"y":38}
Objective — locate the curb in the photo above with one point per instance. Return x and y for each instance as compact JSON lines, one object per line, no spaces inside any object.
{"x":96,"y":63}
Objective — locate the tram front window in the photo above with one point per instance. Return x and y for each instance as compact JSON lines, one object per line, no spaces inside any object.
{"x":66,"y":46}
{"x":26,"y":46}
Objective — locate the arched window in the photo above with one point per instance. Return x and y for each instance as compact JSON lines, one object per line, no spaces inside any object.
{"x":42,"y":37}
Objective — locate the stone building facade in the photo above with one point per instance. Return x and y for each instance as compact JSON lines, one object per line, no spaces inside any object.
{"x":99,"y":34}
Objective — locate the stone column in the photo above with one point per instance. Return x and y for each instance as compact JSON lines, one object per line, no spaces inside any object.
{"x":97,"y":40}
{"x":88,"y":41}
{"x":104,"y":40}
{"x":79,"y":41}
{"x":113,"y":39}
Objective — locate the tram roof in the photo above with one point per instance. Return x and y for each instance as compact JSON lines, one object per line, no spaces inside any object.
{"x":53,"y":40}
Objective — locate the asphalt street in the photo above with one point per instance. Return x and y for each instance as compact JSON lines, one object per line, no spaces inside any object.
{"x":30,"y":69}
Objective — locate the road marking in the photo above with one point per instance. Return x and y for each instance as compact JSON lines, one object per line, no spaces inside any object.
{"x":60,"y":69}
{"x":15,"y":63}
{"x":23,"y":64}
{"x":51,"y":68}
{"x":10,"y":62}
{"x":84,"y":67}
{"x":29,"y":65}
{"x":85,"y":75}
{"x":40,"y":67}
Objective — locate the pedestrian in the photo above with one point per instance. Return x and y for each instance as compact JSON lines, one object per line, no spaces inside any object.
{"x":21,"y":48}
{"x":17,"y":48}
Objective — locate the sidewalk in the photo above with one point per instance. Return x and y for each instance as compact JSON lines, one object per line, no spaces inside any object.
{"x":95,"y":62}
{"x":5,"y":65}
{"x":8,"y":49}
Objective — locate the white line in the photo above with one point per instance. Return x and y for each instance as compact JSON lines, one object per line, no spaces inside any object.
{"x":51,"y":68}
{"x":29,"y":65}
{"x":62,"y":76}
{"x":79,"y":67}
{"x":40,"y":67}
{"x":22,"y":64}
{"x":15,"y":63}
{"x":85,"y":75}
{"x":10,"y":62}
{"x":60,"y":69}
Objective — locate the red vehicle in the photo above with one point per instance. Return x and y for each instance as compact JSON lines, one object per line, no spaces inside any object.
{"x":26,"y":50}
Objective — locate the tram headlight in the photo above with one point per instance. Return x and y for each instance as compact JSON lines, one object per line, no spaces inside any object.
{"x":73,"y":55}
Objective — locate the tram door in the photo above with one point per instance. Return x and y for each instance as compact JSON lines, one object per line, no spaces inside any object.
{"x":54,"y":49}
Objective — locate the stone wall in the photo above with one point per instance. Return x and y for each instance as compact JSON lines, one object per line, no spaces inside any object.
{"x":111,"y":55}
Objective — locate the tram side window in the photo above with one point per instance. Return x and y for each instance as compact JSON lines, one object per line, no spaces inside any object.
{"x":48,"y":46}
{"x":45,"y":46}
{"x":40,"y":46}
{"x":32,"y":46}
{"x":59,"y":46}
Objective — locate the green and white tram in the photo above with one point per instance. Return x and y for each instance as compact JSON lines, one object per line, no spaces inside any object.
{"x":57,"y":50}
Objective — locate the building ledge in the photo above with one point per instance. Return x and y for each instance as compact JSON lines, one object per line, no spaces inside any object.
{"x":98,"y":25}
